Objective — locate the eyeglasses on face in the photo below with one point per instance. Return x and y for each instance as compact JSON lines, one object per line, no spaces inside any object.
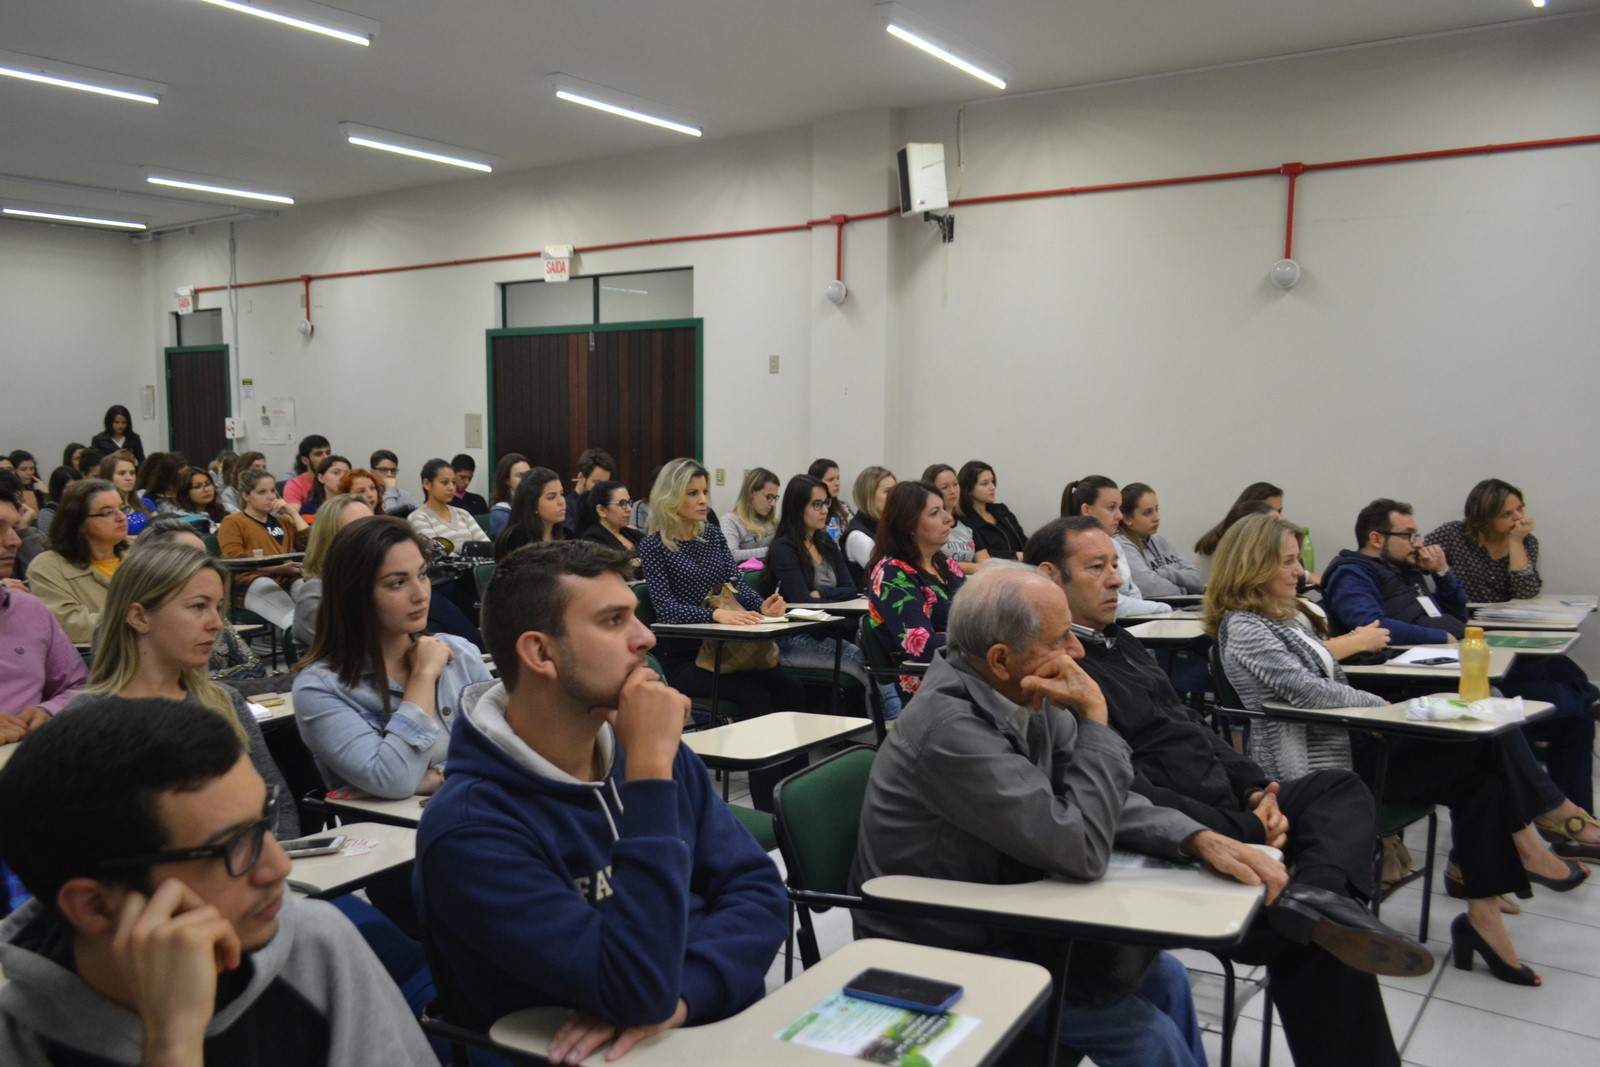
{"x":106,"y":514}
{"x":817,"y":505}
{"x":1414,"y":536}
{"x":621,"y":503}
{"x":387,"y":472}
{"x":239,"y":851}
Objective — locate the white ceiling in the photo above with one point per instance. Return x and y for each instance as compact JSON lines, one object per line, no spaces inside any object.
{"x":258,"y":102}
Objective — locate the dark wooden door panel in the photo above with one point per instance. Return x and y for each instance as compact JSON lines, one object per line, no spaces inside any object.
{"x":197,"y":402}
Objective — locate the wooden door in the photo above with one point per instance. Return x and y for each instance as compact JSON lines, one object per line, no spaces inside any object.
{"x":198,"y":400}
{"x":633,"y":391}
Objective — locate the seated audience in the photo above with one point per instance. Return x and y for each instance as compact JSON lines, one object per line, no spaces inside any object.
{"x":1493,"y":550}
{"x":1254,"y":493}
{"x":1272,"y":649}
{"x":87,"y":539}
{"x":749,"y":527}
{"x":1411,"y":590}
{"x":337,"y":513}
{"x":909,"y":581}
{"x":1008,"y":772}
{"x":60,"y":478}
{"x":34,"y":491}
{"x":1155,"y":563}
{"x":248,"y":461}
{"x":164,"y":611}
{"x":377,"y":695}
{"x":473,"y":504}
{"x":594,"y":465}
{"x":994,"y":528}
{"x":88,"y":463}
{"x":161,"y":929}
{"x":826,"y":471}
{"x":507,"y":476}
{"x":869,"y":493}
{"x":438,"y":518}
{"x":310,"y":453}
{"x":1319,"y":942}
{"x":119,"y":469}
{"x":366,"y":486}
{"x":396,"y":501}
{"x":159,"y":482}
{"x":223,"y":466}
{"x":70,"y":454}
{"x":641,"y":505}
{"x":266,"y":526}
{"x":687,"y":563}
{"x":608,"y":507}
{"x":538,"y":513}
{"x":1099,"y":498}
{"x":547,"y":795}
{"x":330,"y":473}
{"x":232,"y":660}
{"x":41,"y":671}
{"x":960,"y":547}
{"x":118,"y":435}
{"x":807,"y":567}
{"x":197,"y":496}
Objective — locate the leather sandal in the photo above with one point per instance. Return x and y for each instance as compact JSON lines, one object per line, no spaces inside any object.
{"x":1563,"y":835}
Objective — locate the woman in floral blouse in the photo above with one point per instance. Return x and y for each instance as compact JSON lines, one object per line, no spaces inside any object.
{"x":909,"y":579}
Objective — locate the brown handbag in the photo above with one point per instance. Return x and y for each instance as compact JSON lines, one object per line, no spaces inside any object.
{"x":737,"y":656}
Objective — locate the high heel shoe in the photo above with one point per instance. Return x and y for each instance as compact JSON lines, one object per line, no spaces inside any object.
{"x":1465,"y":940}
{"x":1576,"y":876}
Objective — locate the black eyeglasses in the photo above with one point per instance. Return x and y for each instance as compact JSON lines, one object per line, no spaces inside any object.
{"x":387,"y":471}
{"x":239,"y":851}
{"x":1414,"y":536}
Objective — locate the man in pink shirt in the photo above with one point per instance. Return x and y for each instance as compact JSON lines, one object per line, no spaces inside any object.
{"x":312,"y":451}
{"x":40,"y":670}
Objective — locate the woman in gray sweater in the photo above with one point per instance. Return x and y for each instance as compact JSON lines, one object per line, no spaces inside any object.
{"x":1159,"y":569}
{"x":1272,"y":649}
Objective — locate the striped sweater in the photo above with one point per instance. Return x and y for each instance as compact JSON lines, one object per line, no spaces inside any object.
{"x":1265,"y":661}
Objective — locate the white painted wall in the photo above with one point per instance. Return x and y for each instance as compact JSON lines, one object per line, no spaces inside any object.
{"x":76,"y":333}
{"x":1444,"y":330}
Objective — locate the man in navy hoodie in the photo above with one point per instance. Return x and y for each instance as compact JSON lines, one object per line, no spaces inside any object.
{"x":577,"y":853}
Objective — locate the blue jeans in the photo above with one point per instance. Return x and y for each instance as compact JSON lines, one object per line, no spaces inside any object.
{"x":1155,"y":1026}
{"x":809,"y":650}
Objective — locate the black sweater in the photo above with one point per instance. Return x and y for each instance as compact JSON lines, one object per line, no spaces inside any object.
{"x":789,"y":571}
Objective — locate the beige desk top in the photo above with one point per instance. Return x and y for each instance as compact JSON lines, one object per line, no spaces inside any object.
{"x":1554,"y":612}
{"x":859,"y":606}
{"x":1499,"y":663}
{"x":404,"y":812}
{"x":1001,"y":994}
{"x":768,"y":738}
{"x":1159,"y":631}
{"x":1171,"y":906}
{"x":332,"y":875}
{"x":1391,"y":719}
{"x":1567,"y":639}
{"x":726,"y":631}
{"x":1554,"y":601}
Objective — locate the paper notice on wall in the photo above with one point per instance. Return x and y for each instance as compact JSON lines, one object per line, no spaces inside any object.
{"x":276,"y":425}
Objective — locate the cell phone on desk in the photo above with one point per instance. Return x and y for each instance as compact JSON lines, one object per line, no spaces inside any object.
{"x":301,"y":847}
{"x":903,"y":991}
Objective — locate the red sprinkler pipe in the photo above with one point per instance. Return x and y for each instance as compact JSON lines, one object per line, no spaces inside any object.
{"x":1293,"y":170}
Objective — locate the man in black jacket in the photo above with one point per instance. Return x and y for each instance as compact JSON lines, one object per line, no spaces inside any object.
{"x":1320,"y":945}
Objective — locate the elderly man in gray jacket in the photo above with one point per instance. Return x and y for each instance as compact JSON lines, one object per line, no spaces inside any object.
{"x":1004,"y":769}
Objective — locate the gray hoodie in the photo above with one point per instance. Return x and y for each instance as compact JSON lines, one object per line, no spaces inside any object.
{"x":315,"y":994}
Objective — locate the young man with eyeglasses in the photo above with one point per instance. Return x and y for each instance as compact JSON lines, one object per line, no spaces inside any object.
{"x":161,"y":931}
{"x":396,"y":501}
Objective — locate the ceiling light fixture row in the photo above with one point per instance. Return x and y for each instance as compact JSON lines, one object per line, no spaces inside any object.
{"x":940,"y":43}
{"x":613,"y":102}
{"x":58,"y":213}
{"x":305,"y":15}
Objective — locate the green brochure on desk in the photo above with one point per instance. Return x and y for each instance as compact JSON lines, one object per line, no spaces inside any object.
{"x":1510,"y":641}
{"x":878,"y":1033}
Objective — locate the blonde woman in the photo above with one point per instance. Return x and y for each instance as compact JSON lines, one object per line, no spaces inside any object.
{"x":334,"y":515}
{"x":685,"y":561}
{"x":869,"y":494}
{"x":748,"y":529}
{"x":164,"y":612}
{"x":1272,"y":649}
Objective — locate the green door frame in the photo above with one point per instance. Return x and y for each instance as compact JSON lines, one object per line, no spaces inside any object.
{"x":181,"y":350}
{"x":698,"y":325}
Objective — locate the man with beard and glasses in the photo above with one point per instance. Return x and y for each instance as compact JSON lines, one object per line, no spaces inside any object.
{"x":577,"y":854}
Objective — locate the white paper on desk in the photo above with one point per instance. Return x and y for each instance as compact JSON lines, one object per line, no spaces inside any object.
{"x":1442,"y":709}
{"x":877,"y":1033}
{"x":806,"y":613}
{"x":258,"y":711}
{"x":1413,"y":656}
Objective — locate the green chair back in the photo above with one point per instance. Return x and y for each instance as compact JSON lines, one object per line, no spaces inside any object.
{"x":759,"y":580}
{"x":212,"y":547}
{"x":759,"y":823}
{"x":483,"y":522}
{"x":646,"y":610}
{"x":481,"y":574}
{"x":817,"y":813}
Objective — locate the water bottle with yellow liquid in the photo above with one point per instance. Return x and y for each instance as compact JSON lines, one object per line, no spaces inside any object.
{"x":1474,"y":665}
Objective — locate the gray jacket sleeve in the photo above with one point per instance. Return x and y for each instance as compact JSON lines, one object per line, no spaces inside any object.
{"x":1142,"y":826}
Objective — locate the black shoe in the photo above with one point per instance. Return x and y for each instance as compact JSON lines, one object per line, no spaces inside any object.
{"x":1464,"y":941}
{"x":1347,"y":931}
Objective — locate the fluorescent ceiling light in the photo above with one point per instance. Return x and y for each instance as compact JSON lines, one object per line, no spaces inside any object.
{"x":304,"y":15}
{"x":942,"y":44}
{"x":74,"y":215}
{"x":67,"y":76}
{"x":200,"y":183}
{"x":576,"y":91}
{"x":407,"y":145}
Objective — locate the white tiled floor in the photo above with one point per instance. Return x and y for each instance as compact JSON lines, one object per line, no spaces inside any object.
{"x":1448,"y":1018}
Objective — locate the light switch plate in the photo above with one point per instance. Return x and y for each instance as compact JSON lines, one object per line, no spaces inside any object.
{"x":474,"y":431}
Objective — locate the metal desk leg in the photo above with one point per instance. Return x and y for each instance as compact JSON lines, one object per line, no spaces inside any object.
{"x":838,"y":659}
{"x":716,"y":682}
{"x":1058,"y":1004}
{"x":1380,"y":778}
